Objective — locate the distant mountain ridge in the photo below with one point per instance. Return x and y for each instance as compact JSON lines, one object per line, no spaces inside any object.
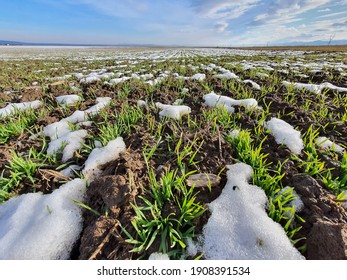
{"x":16,"y":43}
{"x":313,"y":43}
{"x":2,"y":42}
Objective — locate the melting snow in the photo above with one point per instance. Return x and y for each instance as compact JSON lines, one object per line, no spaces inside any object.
{"x":70,"y":142}
{"x":37,"y":226}
{"x":12,"y":107}
{"x":57,"y":129}
{"x":100,"y":156}
{"x":214,"y":100}
{"x":239,"y":227}
{"x":315,"y":88}
{"x":117,"y":80}
{"x":68,"y":99}
{"x":284,"y":133}
{"x":101,"y":102}
{"x":199,"y":77}
{"x":234,"y":133}
{"x":70,"y":171}
{"x":172,"y":111}
{"x":254,"y":84}
{"x":226,"y":74}
{"x":141,"y":103}
{"x":159,"y":257}
{"x":325,"y":143}
{"x":296,"y":202}
{"x":262,"y":75}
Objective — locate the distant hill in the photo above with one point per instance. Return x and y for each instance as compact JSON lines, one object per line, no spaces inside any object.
{"x":16,"y":43}
{"x":2,"y":42}
{"x":312,"y":43}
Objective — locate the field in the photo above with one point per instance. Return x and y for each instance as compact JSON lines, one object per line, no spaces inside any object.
{"x":137,"y":153}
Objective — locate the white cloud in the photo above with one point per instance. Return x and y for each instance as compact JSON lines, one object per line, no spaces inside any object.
{"x":221,"y":26}
{"x":289,"y":8}
{"x":224,"y":9}
{"x":333,"y":14}
{"x":324,"y":10}
{"x":278,"y":33}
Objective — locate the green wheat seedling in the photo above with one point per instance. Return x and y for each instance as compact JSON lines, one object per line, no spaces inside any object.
{"x":169,"y":212}
{"x":338,"y":184}
{"x":122,"y":125}
{"x":314,"y":166}
{"x":170,"y":215}
{"x":21,"y":171}
{"x":124,"y":92}
{"x":187,"y":153}
{"x":16,"y":126}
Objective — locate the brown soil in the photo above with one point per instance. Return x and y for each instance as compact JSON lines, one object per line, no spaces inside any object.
{"x":31,"y":93}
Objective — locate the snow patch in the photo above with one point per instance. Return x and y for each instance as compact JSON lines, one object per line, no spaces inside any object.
{"x":254,"y":84}
{"x":315,"y":88}
{"x":159,"y":257}
{"x":68,"y":99}
{"x":141,"y":103}
{"x":100,"y":156}
{"x":215,"y":100}
{"x":13,"y":107}
{"x":72,"y":141}
{"x":226,"y":74}
{"x":70,"y":170}
{"x":198,"y":77}
{"x":326,"y":144}
{"x":57,"y":129}
{"x":239,"y":227}
{"x":234,"y":133}
{"x":297,"y":203}
{"x":310,"y":87}
{"x":192,"y":248}
{"x":284,"y":133}
{"x":172,"y":111}
{"x":37,"y":226}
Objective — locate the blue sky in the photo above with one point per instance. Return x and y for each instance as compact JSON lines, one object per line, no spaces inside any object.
{"x":167,"y":22}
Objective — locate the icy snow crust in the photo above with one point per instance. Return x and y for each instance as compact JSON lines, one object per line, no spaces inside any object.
{"x":12,"y":107}
{"x":284,"y":133}
{"x":239,"y":227}
{"x":37,"y":226}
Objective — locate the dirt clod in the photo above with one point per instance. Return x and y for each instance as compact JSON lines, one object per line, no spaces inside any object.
{"x":327,"y":241}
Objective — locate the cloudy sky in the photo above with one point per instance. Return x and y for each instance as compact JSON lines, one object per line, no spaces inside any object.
{"x":173,"y":22}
